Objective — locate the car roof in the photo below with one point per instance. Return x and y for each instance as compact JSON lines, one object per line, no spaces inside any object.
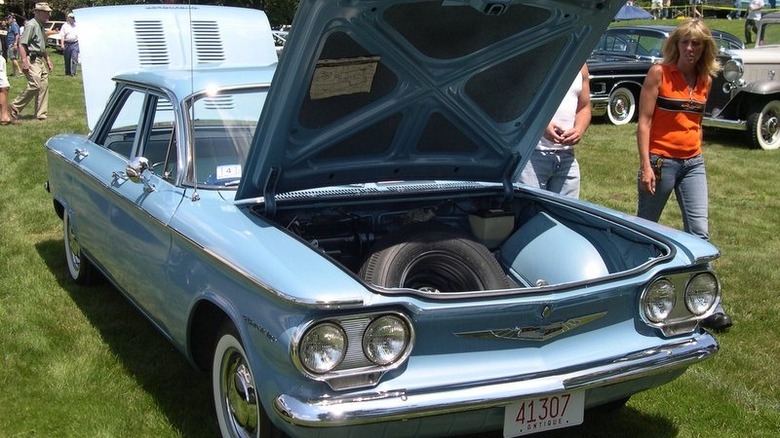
{"x":182,"y":83}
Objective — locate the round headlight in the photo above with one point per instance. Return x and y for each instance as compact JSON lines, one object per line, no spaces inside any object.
{"x":701,"y":293}
{"x":732,"y":70}
{"x":323,"y":347}
{"x":385,"y":339}
{"x":658,"y":300}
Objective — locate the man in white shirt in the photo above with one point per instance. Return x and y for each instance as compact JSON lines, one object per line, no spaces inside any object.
{"x":69,"y":42}
{"x":753,"y":16}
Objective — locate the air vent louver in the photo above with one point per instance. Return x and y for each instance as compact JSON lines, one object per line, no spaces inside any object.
{"x":152,"y":48}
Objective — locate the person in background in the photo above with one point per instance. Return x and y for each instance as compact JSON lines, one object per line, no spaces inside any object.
{"x":5,"y":114}
{"x":36,"y":65}
{"x":69,"y":43}
{"x":669,"y":134}
{"x":12,"y":41}
{"x":753,"y":16}
{"x":3,"y":43}
{"x":552,"y":165}
{"x":656,"y":8}
{"x":695,"y":8}
{"x":735,"y":13}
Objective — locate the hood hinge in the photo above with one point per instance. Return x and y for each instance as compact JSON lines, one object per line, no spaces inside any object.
{"x":269,"y":191}
{"x":508,"y":175}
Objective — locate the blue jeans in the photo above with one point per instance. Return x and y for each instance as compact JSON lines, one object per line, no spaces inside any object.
{"x":71,"y":55}
{"x":556,"y":171}
{"x":688,"y":179}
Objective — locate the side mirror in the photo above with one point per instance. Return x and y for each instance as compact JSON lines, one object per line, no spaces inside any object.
{"x":134,"y":172}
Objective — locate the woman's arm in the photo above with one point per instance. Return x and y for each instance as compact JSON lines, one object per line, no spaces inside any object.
{"x":647,"y":101}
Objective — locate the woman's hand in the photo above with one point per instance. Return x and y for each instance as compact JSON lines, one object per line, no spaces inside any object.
{"x":647,"y":179}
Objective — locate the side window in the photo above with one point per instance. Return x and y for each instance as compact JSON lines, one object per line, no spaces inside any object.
{"x":159,"y":145}
{"x":122,"y":135}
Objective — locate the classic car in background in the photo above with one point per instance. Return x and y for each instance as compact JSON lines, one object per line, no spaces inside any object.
{"x":619,"y":63}
{"x":746,"y":94}
{"x":329,"y":263}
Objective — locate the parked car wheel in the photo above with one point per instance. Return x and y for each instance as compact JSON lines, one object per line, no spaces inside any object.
{"x":764,"y":126}
{"x":239,"y":412}
{"x":434,"y":258}
{"x":80,"y":268}
{"x":622,"y":106}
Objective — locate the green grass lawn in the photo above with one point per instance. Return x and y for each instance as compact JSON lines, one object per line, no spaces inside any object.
{"x":82,"y":362}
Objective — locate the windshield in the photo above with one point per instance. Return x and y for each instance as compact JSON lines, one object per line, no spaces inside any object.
{"x":633,"y":44}
{"x":222,"y":125}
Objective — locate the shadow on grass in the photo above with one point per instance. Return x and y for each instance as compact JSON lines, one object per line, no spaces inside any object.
{"x":182,"y":393}
{"x":727,"y":137}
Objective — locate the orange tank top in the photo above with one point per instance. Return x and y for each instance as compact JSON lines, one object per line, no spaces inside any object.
{"x":675,"y":131}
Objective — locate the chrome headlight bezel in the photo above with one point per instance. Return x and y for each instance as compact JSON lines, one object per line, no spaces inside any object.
{"x":658,"y":300}
{"x":676,"y":303}
{"x":385,"y":339}
{"x":357,"y":367}
{"x":733,"y":70}
{"x":323,"y":347}
{"x":702,"y":293}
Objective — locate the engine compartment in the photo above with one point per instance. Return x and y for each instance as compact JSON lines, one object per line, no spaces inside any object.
{"x":536,"y":242}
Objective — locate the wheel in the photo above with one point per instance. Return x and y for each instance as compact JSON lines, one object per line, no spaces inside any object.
{"x":433,"y":258}
{"x":622,"y":106}
{"x":764,"y":126}
{"x":239,"y":412}
{"x":80,"y":268}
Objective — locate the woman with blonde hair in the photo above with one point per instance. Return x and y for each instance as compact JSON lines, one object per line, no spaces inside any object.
{"x":669,"y":133}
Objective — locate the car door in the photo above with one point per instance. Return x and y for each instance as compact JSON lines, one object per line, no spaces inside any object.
{"x":139,"y":219}
{"x":91,"y":193}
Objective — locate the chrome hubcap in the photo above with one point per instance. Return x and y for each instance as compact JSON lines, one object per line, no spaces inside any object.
{"x":239,"y":396}
{"x":74,"y":249}
{"x":770,"y":127}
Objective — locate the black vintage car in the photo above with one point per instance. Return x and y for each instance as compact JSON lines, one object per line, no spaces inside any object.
{"x":619,"y":63}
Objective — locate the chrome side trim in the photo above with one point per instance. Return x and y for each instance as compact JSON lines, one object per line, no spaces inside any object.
{"x":366,"y":408}
{"x":739,"y":125}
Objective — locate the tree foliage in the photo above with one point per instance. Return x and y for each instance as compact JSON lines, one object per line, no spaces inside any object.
{"x":278,"y":11}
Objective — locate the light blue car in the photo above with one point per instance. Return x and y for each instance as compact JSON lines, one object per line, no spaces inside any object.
{"x":338,"y":240}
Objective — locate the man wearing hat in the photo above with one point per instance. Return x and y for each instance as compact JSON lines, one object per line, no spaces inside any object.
{"x":36,"y":64}
{"x":69,"y":43}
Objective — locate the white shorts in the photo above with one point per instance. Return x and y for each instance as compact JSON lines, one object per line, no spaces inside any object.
{"x":3,"y":77}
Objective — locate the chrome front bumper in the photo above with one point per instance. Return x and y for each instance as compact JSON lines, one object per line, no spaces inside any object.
{"x":402,"y":404}
{"x":598,"y":106}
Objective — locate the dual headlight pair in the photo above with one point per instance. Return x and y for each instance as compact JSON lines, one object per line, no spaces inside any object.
{"x":342,"y":345}
{"x":680,"y":299}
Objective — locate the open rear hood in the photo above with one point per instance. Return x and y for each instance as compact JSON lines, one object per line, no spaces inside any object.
{"x":416,"y":90}
{"x":117,"y":39}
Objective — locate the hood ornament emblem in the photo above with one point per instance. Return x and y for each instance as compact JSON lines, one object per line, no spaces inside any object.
{"x":534,"y":333}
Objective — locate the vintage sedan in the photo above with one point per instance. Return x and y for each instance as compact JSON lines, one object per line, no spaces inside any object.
{"x":746,"y":94}
{"x":356,"y":259}
{"x":619,"y":64}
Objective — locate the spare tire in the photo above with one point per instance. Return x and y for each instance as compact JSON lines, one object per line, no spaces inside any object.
{"x":433,"y":257}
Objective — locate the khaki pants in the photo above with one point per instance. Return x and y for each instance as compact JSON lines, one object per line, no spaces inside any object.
{"x":37,"y":88}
